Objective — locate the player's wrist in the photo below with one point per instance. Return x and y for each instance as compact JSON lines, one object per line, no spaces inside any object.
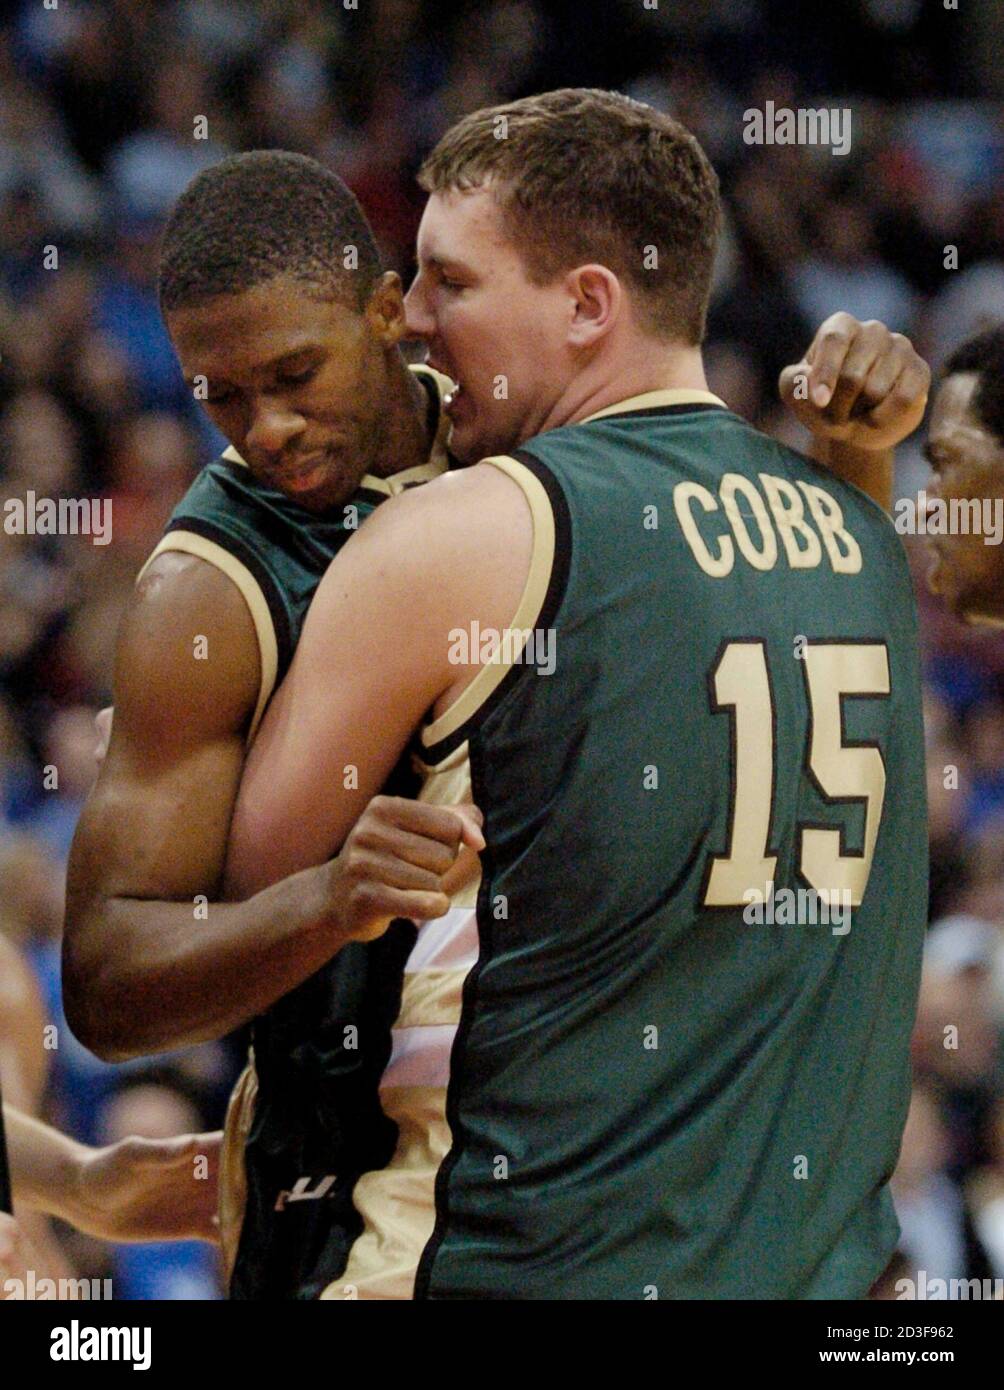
{"x":66,"y":1189}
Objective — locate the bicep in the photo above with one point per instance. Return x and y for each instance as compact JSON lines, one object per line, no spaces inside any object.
{"x":186,"y":681}
{"x":331,"y":735}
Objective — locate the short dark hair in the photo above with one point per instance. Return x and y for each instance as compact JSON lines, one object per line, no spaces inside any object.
{"x":984,"y":355}
{"x":585,"y":175}
{"x":256,"y":216}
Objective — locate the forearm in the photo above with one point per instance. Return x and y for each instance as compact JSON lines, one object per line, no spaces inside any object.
{"x":142,"y":977}
{"x":871,"y":470}
{"x":44,"y":1164}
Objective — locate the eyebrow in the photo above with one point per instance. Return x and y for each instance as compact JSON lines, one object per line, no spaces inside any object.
{"x":284,"y":357}
{"x":447,"y":263}
{"x":273,"y":362}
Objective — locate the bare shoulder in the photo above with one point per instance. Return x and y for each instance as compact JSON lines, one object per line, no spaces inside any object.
{"x":187,"y":650}
{"x":477,"y":510}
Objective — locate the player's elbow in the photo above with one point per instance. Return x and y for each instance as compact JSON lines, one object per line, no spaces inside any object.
{"x":92,"y":998}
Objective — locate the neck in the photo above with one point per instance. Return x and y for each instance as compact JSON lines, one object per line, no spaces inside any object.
{"x":405,"y":443}
{"x":648,"y":366}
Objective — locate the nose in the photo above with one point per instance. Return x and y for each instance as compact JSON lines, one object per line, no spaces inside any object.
{"x":272,"y":427}
{"x":420,"y":322}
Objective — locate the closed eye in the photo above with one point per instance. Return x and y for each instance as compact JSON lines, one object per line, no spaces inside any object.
{"x":297,"y":378}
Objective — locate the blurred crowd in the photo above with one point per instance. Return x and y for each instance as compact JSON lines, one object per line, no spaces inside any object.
{"x":109,"y":107}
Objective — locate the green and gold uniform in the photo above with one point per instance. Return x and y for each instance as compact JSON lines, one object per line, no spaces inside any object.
{"x":305,"y":1119}
{"x":666,"y":1054}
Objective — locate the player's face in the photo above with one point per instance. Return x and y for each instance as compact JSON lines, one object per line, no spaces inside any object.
{"x":499,"y":336}
{"x":295,"y":383}
{"x":968,"y":463}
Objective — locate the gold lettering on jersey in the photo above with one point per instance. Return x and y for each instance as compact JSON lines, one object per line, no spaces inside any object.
{"x":830,"y":519}
{"x":788,"y":512}
{"x":766,"y":557}
{"x":808,"y":529}
{"x":683,"y":493}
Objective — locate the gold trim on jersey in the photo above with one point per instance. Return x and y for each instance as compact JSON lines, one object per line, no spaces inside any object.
{"x":651,"y":400}
{"x":190,"y":543}
{"x":473,"y":696}
{"x":233,"y":1174}
{"x":384,"y":1260}
{"x":437,"y":462}
{"x":397,"y":1203}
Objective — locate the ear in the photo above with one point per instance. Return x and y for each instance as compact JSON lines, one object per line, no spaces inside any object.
{"x":384,"y":311}
{"x":597,"y":303}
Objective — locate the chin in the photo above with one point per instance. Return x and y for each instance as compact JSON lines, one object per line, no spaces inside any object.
{"x":469,"y":445}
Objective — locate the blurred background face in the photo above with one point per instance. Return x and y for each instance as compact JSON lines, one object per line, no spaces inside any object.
{"x":968,"y":463}
{"x":294,"y":383}
{"x":500,"y":337}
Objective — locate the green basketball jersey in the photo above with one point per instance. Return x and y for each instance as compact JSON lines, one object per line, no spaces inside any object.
{"x":681,"y":1067}
{"x":310,"y":1120}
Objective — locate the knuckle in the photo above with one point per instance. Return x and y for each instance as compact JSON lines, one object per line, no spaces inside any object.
{"x":364,"y":896}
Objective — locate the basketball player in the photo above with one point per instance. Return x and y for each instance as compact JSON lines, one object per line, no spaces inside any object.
{"x":287,"y":327}
{"x":965,"y":447}
{"x":622,"y":1075}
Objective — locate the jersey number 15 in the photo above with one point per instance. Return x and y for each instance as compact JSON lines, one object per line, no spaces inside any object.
{"x":842,"y":771}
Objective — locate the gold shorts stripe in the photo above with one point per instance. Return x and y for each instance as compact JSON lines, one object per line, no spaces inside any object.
{"x":396,"y":1202}
{"x":233,"y":1174}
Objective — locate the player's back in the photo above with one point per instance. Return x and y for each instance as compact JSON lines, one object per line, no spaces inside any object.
{"x":671,"y":1077}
